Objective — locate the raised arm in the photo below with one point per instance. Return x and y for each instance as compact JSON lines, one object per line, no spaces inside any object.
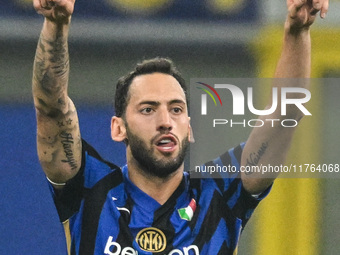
{"x":270,"y":145}
{"x":58,"y":136}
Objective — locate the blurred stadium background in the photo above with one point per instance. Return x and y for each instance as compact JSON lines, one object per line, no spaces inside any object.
{"x":206,"y":38}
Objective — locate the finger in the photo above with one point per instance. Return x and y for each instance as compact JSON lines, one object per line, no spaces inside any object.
{"x":36,"y":5}
{"x":324,"y":9}
{"x":40,"y":6}
{"x":61,"y":3}
{"x":46,"y":4}
{"x":317,"y":4}
{"x":299,"y":3}
{"x":295,"y":7}
{"x":43,"y":4}
{"x":57,"y":2}
{"x":316,"y":7}
{"x":66,"y":4}
{"x":50,"y":4}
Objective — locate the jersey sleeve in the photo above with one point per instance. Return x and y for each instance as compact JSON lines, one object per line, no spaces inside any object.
{"x":240,"y":201}
{"x":93,"y":168}
{"x":223,"y":174}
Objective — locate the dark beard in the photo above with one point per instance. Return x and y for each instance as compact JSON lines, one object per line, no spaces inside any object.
{"x":161,"y":168}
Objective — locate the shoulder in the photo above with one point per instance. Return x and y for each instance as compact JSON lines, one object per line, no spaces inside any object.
{"x":225,"y":167}
{"x":95,"y":168}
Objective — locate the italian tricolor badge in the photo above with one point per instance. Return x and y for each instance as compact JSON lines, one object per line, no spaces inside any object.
{"x":187,"y":212}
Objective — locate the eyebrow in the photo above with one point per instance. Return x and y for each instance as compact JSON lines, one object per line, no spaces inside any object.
{"x":156,"y":103}
{"x":177,"y":101}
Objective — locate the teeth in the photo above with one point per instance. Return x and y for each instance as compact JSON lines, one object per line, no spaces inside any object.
{"x":165,"y":141}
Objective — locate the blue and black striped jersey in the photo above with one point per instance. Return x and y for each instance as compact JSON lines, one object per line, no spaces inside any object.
{"x":103,"y":212}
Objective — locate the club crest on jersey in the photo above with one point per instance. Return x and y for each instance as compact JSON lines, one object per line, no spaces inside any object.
{"x":151,"y":239}
{"x":187,"y":212}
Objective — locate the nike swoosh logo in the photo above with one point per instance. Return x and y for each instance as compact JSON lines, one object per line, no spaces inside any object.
{"x":123,"y":209}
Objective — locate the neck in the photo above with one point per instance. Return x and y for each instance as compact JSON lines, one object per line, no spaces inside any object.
{"x":159,"y":189}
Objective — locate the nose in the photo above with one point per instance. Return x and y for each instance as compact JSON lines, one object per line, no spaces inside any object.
{"x":164,"y":121}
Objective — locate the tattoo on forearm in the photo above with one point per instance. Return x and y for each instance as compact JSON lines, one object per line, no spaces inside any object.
{"x":51,"y":63}
{"x":67,"y":122}
{"x":61,"y":101}
{"x":42,"y":102}
{"x":60,"y":124}
{"x":67,"y":141}
{"x":255,"y":157}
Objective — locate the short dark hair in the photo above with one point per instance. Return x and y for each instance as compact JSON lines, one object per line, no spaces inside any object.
{"x":155,"y":65}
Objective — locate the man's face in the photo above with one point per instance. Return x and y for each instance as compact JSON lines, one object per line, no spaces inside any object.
{"x":157,"y":124}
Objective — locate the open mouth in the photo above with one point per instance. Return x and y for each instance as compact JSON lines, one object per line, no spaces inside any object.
{"x":166,"y":143}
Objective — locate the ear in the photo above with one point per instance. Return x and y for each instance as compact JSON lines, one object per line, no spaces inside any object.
{"x":118,"y":129}
{"x":191,"y":138}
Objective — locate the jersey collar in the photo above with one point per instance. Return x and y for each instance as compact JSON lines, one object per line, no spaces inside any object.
{"x":147,"y":202}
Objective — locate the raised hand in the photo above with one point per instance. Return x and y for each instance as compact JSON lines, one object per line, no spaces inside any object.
{"x":302,"y":13}
{"x":55,"y":10}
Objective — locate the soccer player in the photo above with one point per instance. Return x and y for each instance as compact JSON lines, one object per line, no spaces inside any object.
{"x":151,"y":205}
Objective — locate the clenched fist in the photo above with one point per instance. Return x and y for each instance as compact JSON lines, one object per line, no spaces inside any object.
{"x":302,"y":13}
{"x":58,"y":11}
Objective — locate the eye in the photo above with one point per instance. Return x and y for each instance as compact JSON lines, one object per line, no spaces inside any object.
{"x":146,"y":110}
{"x":177,"y":110}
